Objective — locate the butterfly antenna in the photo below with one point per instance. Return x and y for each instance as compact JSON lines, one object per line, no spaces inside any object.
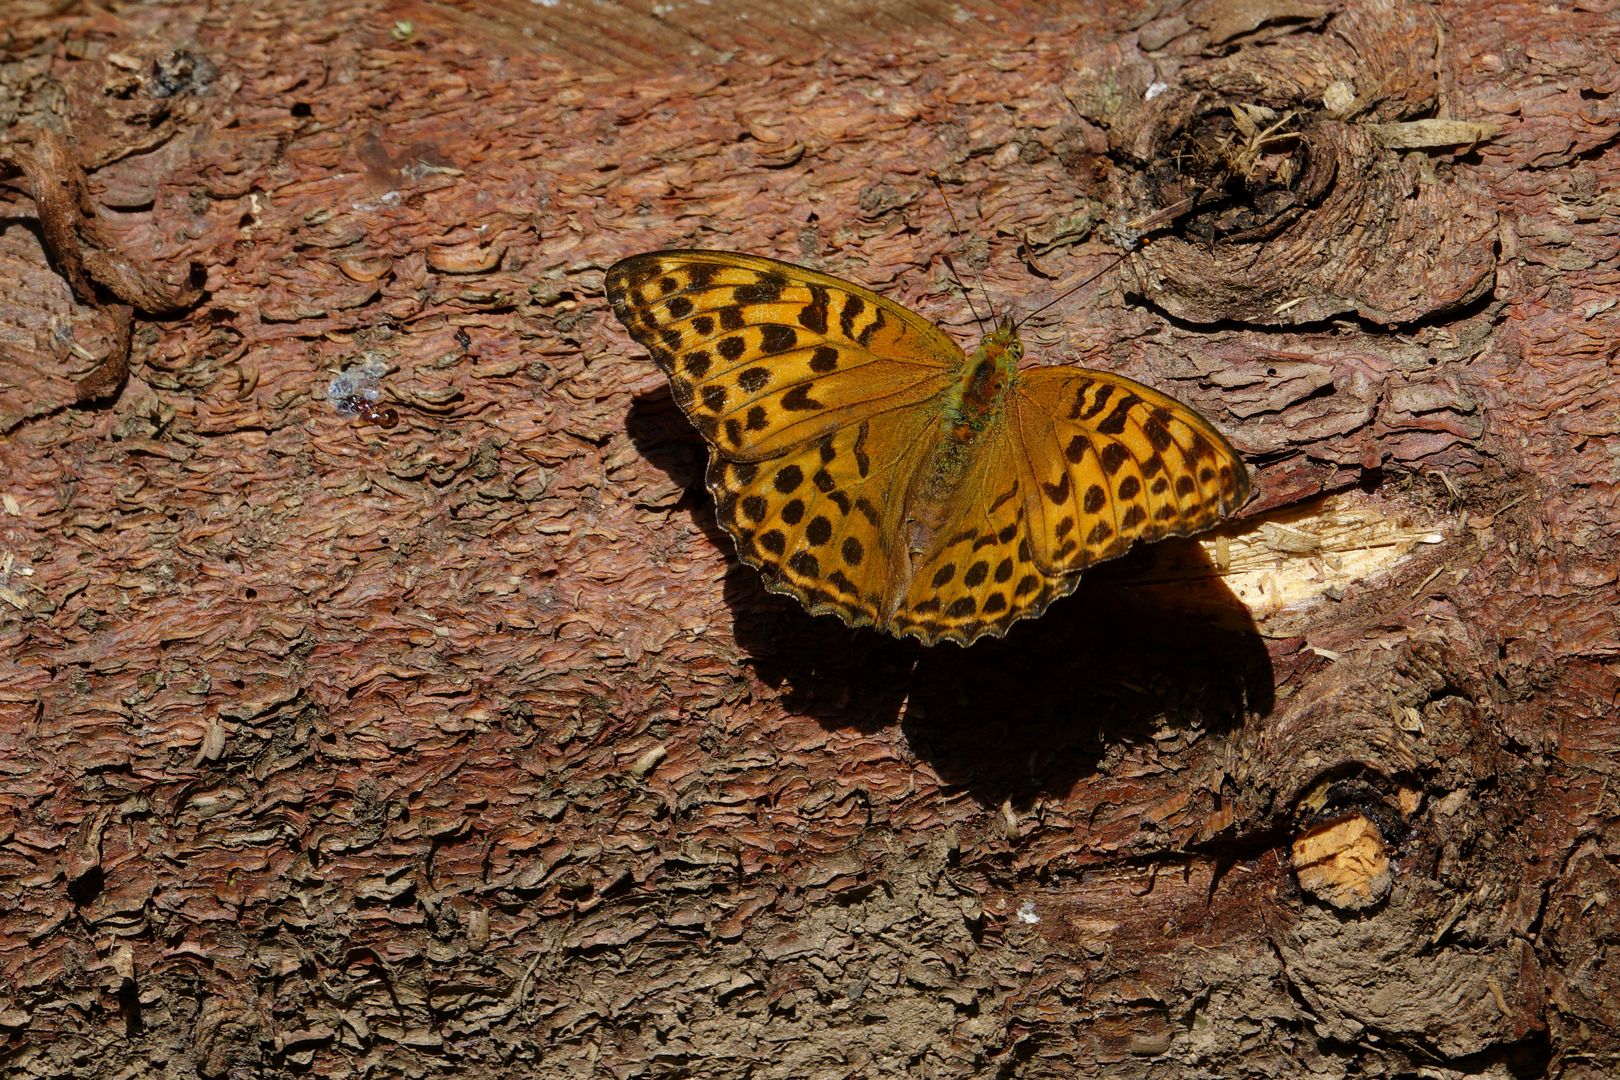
{"x":949,"y":265}
{"x":1066,"y":293}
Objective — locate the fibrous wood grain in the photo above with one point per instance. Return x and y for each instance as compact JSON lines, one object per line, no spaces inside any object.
{"x":467,"y":743}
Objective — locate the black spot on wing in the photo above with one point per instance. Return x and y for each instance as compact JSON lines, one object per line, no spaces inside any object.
{"x":865,"y":336}
{"x":849,"y":312}
{"x":813,"y":316}
{"x":777,"y":339}
{"x":1112,"y":457}
{"x":863,"y":464}
{"x":788,"y":477}
{"x":767,"y":290}
{"x":824,"y":359}
{"x":1114,"y":422}
{"x":804,"y":564}
{"x":1157,"y":429}
{"x":1098,"y":402}
{"x":798,"y":399}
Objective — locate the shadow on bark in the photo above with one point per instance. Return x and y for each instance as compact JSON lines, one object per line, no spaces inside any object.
{"x":1012,"y":718}
{"x":1033,"y":712}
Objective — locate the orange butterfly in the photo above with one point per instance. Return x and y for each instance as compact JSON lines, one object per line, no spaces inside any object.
{"x":869,"y":467}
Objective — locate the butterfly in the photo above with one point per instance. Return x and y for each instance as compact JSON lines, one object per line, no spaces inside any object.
{"x":872,"y":469}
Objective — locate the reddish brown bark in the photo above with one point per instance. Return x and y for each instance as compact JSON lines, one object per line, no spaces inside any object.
{"x":467,"y":743}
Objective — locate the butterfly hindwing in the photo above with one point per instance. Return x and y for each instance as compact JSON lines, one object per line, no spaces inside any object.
{"x":821,"y":521}
{"x":977,"y":573}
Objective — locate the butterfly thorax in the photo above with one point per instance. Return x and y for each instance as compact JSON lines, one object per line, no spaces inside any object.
{"x":973,"y":405}
{"x":980,"y":393}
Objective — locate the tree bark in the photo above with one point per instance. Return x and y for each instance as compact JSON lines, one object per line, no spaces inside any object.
{"x":467,"y":743}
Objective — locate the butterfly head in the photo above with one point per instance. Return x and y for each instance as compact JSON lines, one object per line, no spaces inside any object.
{"x":1003,"y":344}
{"x":987,"y":376}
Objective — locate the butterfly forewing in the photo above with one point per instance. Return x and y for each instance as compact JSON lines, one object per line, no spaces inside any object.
{"x":764,"y":356}
{"x":1111,"y":462}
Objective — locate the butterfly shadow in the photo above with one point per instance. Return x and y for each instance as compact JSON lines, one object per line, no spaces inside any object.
{"x":1153,"y":635}
{"x":663,"y":435}
{"x":1152,"y":639}
{"x":665,"y":438}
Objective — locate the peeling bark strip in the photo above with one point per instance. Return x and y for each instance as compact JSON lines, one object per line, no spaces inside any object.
{"x":344,"y":752}
{"x":87,"y":256}
{"x":107,"y":378}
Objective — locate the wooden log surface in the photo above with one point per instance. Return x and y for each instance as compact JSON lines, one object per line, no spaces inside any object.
{"x":468,"y":744}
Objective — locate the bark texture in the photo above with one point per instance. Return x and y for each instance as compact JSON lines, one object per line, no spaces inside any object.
{"x":467,"y":744}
